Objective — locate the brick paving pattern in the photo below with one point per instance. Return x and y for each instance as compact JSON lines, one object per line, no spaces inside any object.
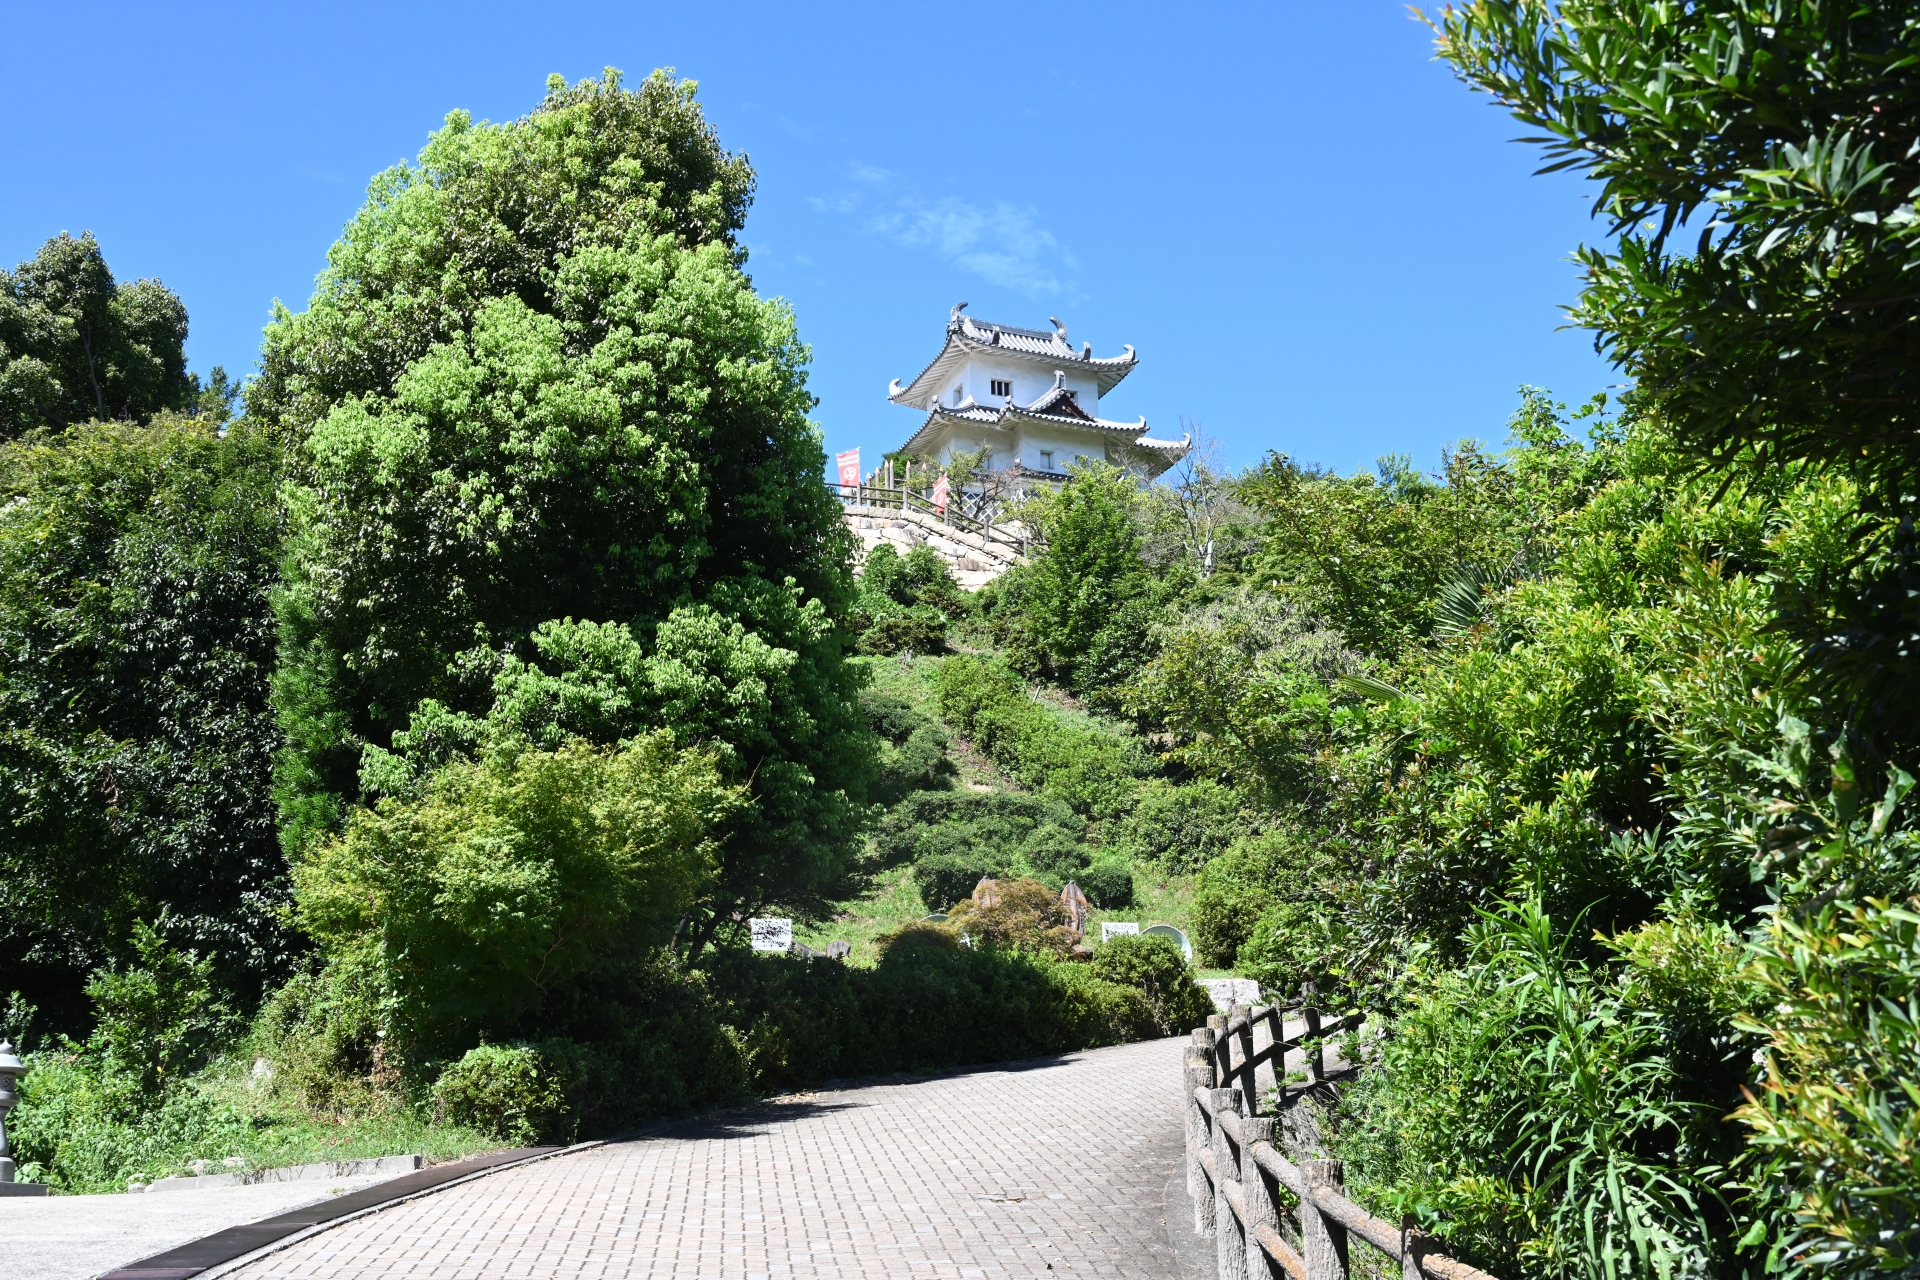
{"x":1046,"y":1169}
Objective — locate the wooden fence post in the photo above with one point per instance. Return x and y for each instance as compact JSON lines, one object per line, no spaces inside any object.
{"x":1228,"y":1233}
{"x":1323,"y":1241}
{"x":1201,"y":1077}
{"x":1198,"y":1075}
{"x":1310,"y":1016}
{"x":1259,"y":1192}
{"x":1248,"y":1089}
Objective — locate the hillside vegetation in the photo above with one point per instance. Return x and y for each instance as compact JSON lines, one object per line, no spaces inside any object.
{"x":401,"y":761}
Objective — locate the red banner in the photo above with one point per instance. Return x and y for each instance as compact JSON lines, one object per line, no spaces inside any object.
{"x":849,"y":468}
{"x":940,"y":495}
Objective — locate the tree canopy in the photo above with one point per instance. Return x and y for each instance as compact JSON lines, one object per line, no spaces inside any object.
{"x":548,"y":431}
{"x":76,"y":345}
{"x":1778,"y":139}
{"x":136,"y":743}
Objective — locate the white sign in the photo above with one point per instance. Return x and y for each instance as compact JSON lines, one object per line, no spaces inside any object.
{"x":1119,"y":928}
{"x":771,"y":935}
{"x":1232,"y":991}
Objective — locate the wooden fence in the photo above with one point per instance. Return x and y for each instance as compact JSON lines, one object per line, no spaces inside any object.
{"x":1240,"y":1183}
{"x":898,"y":494}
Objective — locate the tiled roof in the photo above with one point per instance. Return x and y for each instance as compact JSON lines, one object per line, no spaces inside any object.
{"x":1033,"y":345}
{"x":1008,"y":415}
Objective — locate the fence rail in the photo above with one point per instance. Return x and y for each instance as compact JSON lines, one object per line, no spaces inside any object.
{"x":900,"y":497}
{"x":1240,"y":1183}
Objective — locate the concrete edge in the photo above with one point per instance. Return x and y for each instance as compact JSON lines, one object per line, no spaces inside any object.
{"x":312,"y":1172}
{"x":288,"y":1241}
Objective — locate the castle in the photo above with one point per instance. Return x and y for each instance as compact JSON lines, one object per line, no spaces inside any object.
{"x":1029,"y":400}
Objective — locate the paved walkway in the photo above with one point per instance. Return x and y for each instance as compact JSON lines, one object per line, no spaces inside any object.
{"x":1052,"y":1168}
{"x":73,"y":1237}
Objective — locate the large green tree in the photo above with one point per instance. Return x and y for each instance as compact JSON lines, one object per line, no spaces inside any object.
{"x":1778,"y":139}
{"x":552,"y":440}
{"x":1758,"y":172}
{"x":136,"y":741}
{"x":76,"y":345}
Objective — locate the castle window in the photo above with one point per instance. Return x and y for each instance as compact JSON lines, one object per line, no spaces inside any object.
{"x":956,"y":397}
{"x":1001,"y":388}
{"x":1046,"y":459}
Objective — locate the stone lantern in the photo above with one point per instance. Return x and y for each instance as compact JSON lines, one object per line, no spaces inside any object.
{"x":11,"y":1069}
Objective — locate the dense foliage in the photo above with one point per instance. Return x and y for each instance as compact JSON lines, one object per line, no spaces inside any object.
{"x":77,"y":346}
{"x":398,"y":762}
{"x":1778,"y":141}
{"x":136,"y":743}
{"x":906,"y":603}
{"x":510,"y":875}
{"x":556,"y":468}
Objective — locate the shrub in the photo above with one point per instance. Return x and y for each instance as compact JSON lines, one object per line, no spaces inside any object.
{"x":1226,"y":904}
{"x":1182,"y":828}
{"x":1093,"y":768}
{"x":1025,"y":916}
{"x":1524,"y":1111}
{"x":1157,"y":967}
{"x":1108,"y":884}
{"x":158,"y":1019}
{"x":914,"y":630}
{"x":512,"y":874}
{"x":913,"y":752}
{"x":946,"y":878}
{"x":1837,"y":1121}
{"x":320,"y":1033}
{"x":915,"y":934}
{"x":953,"y":821}
{"x":1234,"y":891}
{"x":81,"y":1132}
{"x":515,"y":1092}
{"x":1053,"y":855}
{"x":1291,"y":943}
{"x":929,"y":1003}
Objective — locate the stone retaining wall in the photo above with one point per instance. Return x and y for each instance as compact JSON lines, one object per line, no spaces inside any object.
{"x":975,"y":560}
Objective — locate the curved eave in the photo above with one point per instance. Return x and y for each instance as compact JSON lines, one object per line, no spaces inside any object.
{"x":974,"y":416}
{"x":1107,"y":371}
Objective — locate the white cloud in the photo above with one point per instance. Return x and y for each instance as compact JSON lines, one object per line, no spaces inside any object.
{"x":1003,"y":244}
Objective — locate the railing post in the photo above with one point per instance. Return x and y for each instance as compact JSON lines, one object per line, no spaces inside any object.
{"x":1258,"y":1191}
{"x":1323,"y":1241}
{"x":1248,"y":1089}
{"x":1412,"y":1245}
{"x":1228,"y":1234}
{"x":1310,"y":1016}
{"x":1197,"y":1074}
{"x":1222,"y":1055}
{"x":1198,"y":1185}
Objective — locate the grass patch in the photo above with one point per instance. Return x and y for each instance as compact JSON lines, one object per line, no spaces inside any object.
{"x":77,"y":1132}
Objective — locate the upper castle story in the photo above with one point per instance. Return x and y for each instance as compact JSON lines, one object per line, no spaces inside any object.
{"x":1029,"y":399}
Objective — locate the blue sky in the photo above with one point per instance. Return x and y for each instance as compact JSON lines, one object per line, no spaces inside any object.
{"x":1317,"y":240}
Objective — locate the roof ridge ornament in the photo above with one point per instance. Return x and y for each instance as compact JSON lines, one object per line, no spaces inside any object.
{"x":1059,"y":379}
{"x":953,"y":316}
{"x":1059,"y":330}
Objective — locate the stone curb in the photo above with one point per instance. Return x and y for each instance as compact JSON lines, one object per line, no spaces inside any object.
{"x":157,"y":1266}
{"x":288,"y":1173}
